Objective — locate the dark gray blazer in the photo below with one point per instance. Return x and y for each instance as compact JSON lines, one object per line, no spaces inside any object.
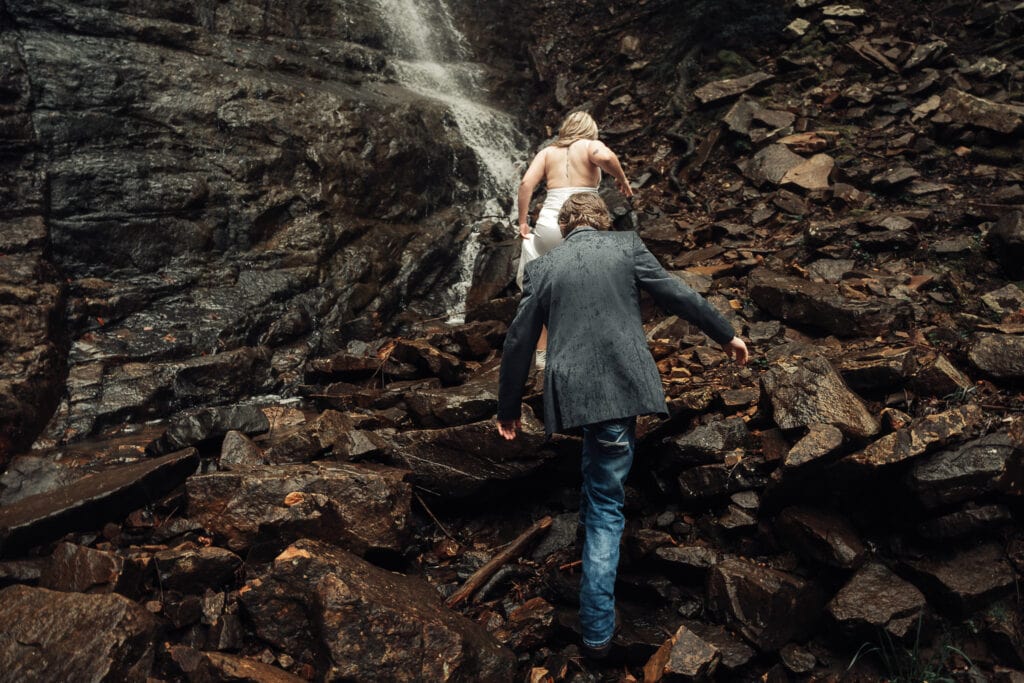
{"x":587,"y":292}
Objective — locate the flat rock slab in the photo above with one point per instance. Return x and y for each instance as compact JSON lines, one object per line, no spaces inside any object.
{"x":806,"y":390}
{"x":968,"y":580}
{"x":917,"y":438}
{"x":473,"y":401}
{"x":876,"y":598}
{"x":991,"y":464}
{"x":217,"y":667}
{"x":768,"y":606}
{"x":729,"y":87}
{"x":969,"y":110}
{"x":190,"y":568}
{"x":91,"y":501}
{"x":813,"y":174}
{"x":371,"y":624}
{"x":1000,"y":356}
{"x":359,"y":506}
{"x":821,"y":536}
{"x":461,"y":461}
{"x":684,"y":656}
{"x":53,"y":636}
{"x":820,"y":305}
{"x":708,"y":443}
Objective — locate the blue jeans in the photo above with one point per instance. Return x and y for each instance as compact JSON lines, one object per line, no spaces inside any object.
{"x":607,"y":456}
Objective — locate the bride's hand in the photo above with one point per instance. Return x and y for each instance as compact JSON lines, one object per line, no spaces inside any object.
{"x":524,"y":231}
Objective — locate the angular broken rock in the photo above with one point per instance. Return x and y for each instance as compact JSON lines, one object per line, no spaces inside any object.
{"x":939,"y":377}
{"x":719,"y":479}
{"x":920,"y":436}
{"x":972,"y":520}
{"x":741,"y":117}
{"x":361,"y":507}
{"x":473,"y":401}
{"x":876,"y":598}
{"x":820,"y":442}
{"x":336,"y":432}
{"x":877,"y":370}
{"x":1000,"y":356}
{"x":684,"y":656}
{"x":213,"y":667}
{"x":822,"y":537}
{"x":966,"y":581}
{"x":91,"y":501}
{"x":370,"y":624}
{"x":189,"y":568}
{"x":461,"y":461}
{"x":208,"y":424}
{"x":771,"y":164}
{"x":813,"y":174}
{"x":53,"y":636}
{"x":769,"y":607}
{"x":820,"y":305}
{"x":708,"y":443}
{"x":807,"y":390}
{"x":991,"y":464}
{"x":719,"y":90}
{"x":239,"y":452}
{"x":1007,"y":242}
{"x":969,"y":110}
{"x":78,"y":569}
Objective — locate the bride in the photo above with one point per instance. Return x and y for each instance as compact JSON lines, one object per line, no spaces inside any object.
{"x":571,"y":164}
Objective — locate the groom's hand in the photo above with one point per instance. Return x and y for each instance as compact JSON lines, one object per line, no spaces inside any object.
{"x":736,"y":349}
{"x":508,"y":428}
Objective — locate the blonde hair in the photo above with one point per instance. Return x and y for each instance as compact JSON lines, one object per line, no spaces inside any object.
{"x":578,"y":125}
{"x":583,"y":208}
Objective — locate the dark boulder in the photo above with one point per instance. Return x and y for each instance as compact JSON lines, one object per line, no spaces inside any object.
{"x":190,"y":568}
{"x":52,"y":636}
{"x":993,"y":463}
{"x":966,"y":581}
{"x":78,"y":569}
{"x":768,"y":606}
{"x":369,"y":623}
{"x":1000,"y":356}
{"x":358,"y":506}
{"x":876,"y":598}
{"x":822,"y":537}
{"x":683,"y":657}
{"x":91,"y":501}
{"x":208,"y":424}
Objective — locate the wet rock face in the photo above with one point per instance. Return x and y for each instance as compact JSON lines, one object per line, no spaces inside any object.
{"x":217,"y":178}
{"x":371,"y":624}
{"x":74,"y":637}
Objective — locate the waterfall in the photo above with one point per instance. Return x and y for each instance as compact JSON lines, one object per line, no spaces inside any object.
{"x":430,"y":58}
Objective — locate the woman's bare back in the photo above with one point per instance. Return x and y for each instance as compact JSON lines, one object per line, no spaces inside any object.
{"x":571,"y":166}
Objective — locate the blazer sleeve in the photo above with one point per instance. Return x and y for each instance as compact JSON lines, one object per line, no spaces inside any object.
{"x":517,"y":354}
{"x":674,"y":296}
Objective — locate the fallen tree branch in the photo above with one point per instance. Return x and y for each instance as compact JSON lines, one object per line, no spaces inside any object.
{"x":513,"y":550}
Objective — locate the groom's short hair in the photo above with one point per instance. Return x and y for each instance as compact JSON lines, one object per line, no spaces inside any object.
{"x":583,"y":209}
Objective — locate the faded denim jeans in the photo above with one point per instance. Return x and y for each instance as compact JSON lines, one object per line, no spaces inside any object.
{"x":607,"y":456}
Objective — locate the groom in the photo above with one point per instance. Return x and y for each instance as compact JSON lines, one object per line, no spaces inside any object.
{"x":600,"y":374}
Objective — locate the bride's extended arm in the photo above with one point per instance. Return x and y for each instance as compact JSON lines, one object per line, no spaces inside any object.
{"x":600,"y":155}
{"x":531,"y":179}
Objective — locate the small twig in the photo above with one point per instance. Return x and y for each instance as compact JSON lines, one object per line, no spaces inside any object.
{"x":433,"y":517}
{"x":570,"y":565}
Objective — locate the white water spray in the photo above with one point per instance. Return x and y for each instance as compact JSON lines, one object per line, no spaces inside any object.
{"x":431,"y":60}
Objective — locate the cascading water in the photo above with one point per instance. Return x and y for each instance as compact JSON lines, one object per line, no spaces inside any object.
{"x":430,"y":58}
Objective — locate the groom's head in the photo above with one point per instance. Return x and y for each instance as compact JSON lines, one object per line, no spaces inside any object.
{"x":583,"y":209}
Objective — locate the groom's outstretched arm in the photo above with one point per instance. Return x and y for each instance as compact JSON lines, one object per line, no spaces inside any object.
{"x":674,"y":296}
{"x":517,"y":354}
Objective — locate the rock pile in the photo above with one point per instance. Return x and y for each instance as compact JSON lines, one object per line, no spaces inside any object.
{"x":849,"y":197}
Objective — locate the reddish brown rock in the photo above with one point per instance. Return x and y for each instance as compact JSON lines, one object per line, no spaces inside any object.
{"x":970,"y":110}
{"x":820,"y":442}
{"x":189,"y":568}
{"x":769,"y":607}
{"x":877,"y":598}
{"x":806,"y":390}
{"x":968,"y":580}
{"x":53,"y":636}
{"x":991,"y":464}
{"x":358,"y":506}
{"x":919,"y":437}
{"x":219,"y":667}
{"x":822,"y":537}
{"x":683,"y":657}
{"x":370,"y":624}
{"x":78,"y":569}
